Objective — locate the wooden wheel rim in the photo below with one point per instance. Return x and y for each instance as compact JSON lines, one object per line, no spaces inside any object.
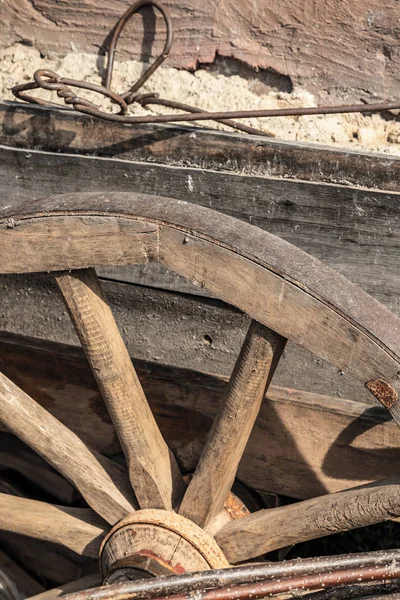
{"x":292,"y":294}
{"x":118,"y":211}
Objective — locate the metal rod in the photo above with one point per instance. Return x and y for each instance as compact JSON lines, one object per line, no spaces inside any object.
{"x":241,"y":114}
{"x":178,"y":585}
{"x":117,"y":32}
{"x":152,"y":99}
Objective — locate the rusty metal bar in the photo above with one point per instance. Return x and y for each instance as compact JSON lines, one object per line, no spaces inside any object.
{"x":259,"y":580}
{"x":132,"y":10}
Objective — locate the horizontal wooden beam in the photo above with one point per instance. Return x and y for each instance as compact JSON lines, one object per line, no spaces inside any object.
{"x":37,"y":128}
{"x":351,"y":229}
{"x":303,"y":445}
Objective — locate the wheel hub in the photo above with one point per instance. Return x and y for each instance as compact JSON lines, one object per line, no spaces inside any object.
{"x":152,"y":542}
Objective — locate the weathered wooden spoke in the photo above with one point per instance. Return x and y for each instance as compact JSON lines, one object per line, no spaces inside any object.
{"x":153,"y":471}
{"x":288,"y":295}
{"x":218,"y":464}
{"x":101,"y":482}
{"x":79,"y":529}
{"x":268,"y":530}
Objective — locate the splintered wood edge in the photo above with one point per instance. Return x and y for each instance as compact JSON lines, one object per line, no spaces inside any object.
{"x":270,"y":529}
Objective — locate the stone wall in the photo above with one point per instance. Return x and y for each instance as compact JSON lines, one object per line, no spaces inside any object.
{"x":337,"y":49}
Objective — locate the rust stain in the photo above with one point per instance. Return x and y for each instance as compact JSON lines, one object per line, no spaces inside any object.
{"x":382,"y":390}
{"x":178,"y":568}
{"x":235,"y":507}
{"x":145,"y":552}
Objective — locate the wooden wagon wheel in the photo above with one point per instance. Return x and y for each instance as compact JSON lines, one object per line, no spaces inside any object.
{"x":287,"y":293}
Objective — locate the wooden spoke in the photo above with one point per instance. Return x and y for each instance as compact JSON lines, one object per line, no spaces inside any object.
{"x":101,"y":482}
{"x":79,"y":529}
{"x":270,"y":529}
{"x":218,"y":464}
{"x":153,"y":471}
{"x":84,"y":583}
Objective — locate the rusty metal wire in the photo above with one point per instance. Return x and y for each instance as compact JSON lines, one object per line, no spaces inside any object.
{"x":49,"y":80}
{"x":129,"y":96}
{"x":62,"y":85}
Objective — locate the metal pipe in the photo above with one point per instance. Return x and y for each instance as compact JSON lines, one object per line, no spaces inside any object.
{"x":252,"y":574}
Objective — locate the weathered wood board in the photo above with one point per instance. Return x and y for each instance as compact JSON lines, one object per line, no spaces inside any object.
{"x":343,"y":207}
{"x":302,"y":445}
{"x":24,"y":125}
{"x":352,"y":229}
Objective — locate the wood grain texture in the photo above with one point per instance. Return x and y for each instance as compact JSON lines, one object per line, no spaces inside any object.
{"x":153,"y":471}
{"x":280,"y":305}
{"x":181,"y":545}
{"x":345,"y":48}
{"x":101,"y":482}
{"x":109,"y":242}
{"x":270,"y":529}
{"x":84,"y":583}
{"x":352,"y":229}
{"x":216,"y":469}
{"x":340,"y":310}
{"x":31,"y":127}
{"x":79,"y":529}
{"x":302,"y":445}
{"x":184,"y":331}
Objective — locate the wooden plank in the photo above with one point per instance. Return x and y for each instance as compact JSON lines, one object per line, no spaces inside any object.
{"x":153,"y":471}
{"x":134,"y":245}
{"x":168,"y":327}
{"x":290,"y":289}
{"x":332,"y":319}
{"x":352,"y":229}
{"x":302,"y":445}
{"x":57,"y":130}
